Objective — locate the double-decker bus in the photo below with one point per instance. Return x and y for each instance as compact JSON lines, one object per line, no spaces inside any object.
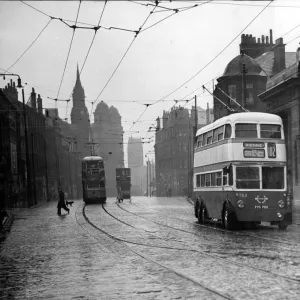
{"x":240,"y":171}
{"x":93,"y":179}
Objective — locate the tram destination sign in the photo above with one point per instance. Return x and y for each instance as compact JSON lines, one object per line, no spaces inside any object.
{"x":253,"y":145}
{"x":254,"y":153}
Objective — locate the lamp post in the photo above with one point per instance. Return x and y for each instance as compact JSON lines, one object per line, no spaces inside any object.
{"x":33,"y":170}
{"x":28,"y":171}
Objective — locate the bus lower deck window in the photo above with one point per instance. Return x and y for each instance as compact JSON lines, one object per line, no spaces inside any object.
{"x":247,"y":178}
{"x":272,"y":178}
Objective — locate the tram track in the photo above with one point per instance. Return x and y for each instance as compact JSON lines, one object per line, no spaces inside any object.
{"x":203,"y":252}
{"x":215,"y":228}
{"x":143,"y":256}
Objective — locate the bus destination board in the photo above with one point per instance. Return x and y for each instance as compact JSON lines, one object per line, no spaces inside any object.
{"x":253,"y":145}
{"x":254,"y":153}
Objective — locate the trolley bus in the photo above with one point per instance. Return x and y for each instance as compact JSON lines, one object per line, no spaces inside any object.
{"x":93,"y":179}
{"x":240,"y":171}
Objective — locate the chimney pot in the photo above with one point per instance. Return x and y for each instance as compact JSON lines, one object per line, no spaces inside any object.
{"x":262,"y":39}
{"x":267,"y":40}
{"x":271,"y":36}
{"x":258,"y":40}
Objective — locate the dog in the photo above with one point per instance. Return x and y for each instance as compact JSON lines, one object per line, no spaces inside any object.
{"x":69,"y":203}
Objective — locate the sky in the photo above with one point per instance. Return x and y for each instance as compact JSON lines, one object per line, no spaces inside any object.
{"x":170,"y":59}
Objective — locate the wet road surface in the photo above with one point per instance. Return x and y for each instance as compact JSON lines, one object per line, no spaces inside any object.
{"x":152,"y":248}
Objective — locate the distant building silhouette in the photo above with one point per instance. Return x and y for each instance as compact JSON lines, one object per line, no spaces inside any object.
{"x":107,"y":130}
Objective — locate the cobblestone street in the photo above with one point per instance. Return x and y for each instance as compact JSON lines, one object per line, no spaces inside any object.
{"x":148,"y":249}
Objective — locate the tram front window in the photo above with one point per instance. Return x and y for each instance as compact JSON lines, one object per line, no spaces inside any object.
{"x":272,"y":178}
{"x":247,"y":178}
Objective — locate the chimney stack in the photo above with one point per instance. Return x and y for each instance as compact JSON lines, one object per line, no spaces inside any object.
{"x":157,"y":124}
{"x":279,"y":56}
{"x":262,"y":39}
{"x":267,"y":40}
{"x":271,"y":36}
{"x":40,"y":104}
{"x":33,"y":99}
{"x":11,"y":92}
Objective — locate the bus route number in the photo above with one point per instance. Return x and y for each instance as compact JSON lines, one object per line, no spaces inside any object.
{"x":241,"y":195}
{"x":271,"y":150}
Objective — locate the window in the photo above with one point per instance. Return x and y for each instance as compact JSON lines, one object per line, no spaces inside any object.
{"x":209,"y":137}
{"x":247,"y":178}
{"x":243,"y":130}
{"x":272,"y":178}
{"x":213,"y":179}
{"x":203,"y":180}
{"x":219,"y":178}
{"x":221,"y":133}
{"x":249,"y":93}
{"x":270,"y":131}
{"x":200,"y":141}
{"x":232,"y":91}
{"x":207,"y":179}
{"x":227,"y":131}
{"x":198,"y":180}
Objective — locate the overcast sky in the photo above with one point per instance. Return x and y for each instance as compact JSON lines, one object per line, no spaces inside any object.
{"x":160,"y":60}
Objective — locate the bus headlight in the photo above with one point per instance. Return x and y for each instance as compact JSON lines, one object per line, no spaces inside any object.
{"x":281,"y":203}
{"x":240,"y":204}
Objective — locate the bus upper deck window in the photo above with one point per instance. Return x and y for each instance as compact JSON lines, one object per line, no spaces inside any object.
{"x":227,"y":131}
{"x":245,"y":130}
{"x":270,"y":131}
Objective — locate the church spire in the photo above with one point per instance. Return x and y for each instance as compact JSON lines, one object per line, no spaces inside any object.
{"x":78,"y":74}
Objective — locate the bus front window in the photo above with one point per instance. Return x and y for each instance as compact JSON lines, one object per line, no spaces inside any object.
{"x":247,"y":178}
{"x":272,"y":178}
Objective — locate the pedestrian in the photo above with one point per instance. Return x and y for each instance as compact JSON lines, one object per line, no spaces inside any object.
{"x":61,"y":203}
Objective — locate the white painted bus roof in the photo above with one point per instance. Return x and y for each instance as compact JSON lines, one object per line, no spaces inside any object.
{"x":92,"y":158}
{"x":244,"y":117}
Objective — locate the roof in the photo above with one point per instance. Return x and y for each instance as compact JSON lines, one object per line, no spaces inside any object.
{"x":266,"y":61}
{"x":92,"y":158}
{"x":234,"y":67}
{"x":257,"y":117}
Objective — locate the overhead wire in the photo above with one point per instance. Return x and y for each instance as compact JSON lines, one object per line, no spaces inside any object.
{"x":68,"y":52}
{"x":215,"y":57}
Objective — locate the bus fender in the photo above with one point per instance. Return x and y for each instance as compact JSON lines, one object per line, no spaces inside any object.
{"x":229,"y":206}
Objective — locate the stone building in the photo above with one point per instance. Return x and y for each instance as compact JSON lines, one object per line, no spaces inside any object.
{"x":135,"y":158}
{"x":246,"y":75}
{"x":107,"y":131}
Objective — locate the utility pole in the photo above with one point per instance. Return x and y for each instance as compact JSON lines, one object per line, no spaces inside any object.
{"x":71,"y":182}
{"x":28,"y":170}
{"x":46,"y":165}
{"x":150,"y":179}
{"x":244,"y":90}
{"x":33,"y":171}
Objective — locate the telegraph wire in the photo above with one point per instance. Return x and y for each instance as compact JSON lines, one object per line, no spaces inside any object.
{"x":29,"y":46}
{"x":217,"y":54}
{"x":124,"y":55}
{"x":86,"y":57}
{"x":68,"y":52}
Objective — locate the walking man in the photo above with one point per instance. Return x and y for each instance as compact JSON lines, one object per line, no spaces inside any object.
{"x":61,"y":203}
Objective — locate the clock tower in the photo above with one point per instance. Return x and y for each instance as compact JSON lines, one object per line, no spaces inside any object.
{"x":80,"y":120}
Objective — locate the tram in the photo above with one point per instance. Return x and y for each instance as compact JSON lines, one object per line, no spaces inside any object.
{"x":240,"y":171}
{"x":93,"y":180}
{"x":123,"y":180}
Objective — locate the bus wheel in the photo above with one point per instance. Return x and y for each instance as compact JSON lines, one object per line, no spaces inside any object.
{"x":282,"y":225}
{"x":228,"y":221}
{"x":203,"y":214}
